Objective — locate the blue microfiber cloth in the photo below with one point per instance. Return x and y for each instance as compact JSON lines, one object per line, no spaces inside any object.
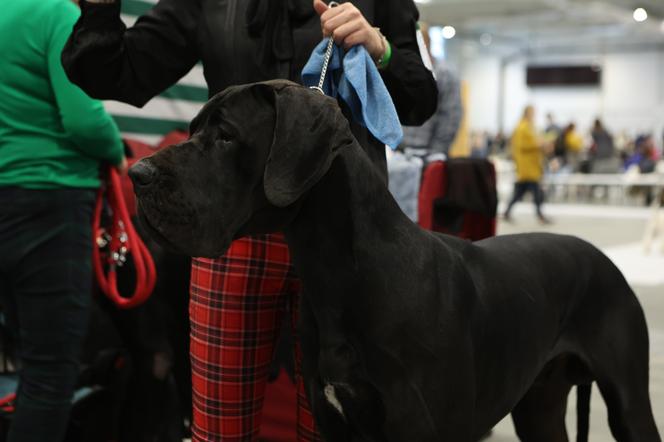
{"x":355,"y":78}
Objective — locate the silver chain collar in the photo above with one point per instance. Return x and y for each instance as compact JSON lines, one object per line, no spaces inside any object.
{"x":326,"y":60}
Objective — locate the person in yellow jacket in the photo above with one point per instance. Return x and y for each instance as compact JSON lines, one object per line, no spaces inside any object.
{"x":573,"y":145}
{"x":573,"y":141}
{"x":568,"y":147}
{"x":528,"y":157}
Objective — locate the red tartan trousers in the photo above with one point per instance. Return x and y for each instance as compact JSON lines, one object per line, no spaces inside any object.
{"x":237,"y":304}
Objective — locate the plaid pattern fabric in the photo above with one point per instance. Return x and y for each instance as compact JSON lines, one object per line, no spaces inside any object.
{"x":237,"y":304}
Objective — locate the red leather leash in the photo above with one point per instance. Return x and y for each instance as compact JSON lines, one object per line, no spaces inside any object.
{"x":121,"y":239}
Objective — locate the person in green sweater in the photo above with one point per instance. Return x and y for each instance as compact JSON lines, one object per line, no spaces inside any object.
{"x":53,"y":138}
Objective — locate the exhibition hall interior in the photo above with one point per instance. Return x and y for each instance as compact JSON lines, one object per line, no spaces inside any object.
{"x":454,"y":231}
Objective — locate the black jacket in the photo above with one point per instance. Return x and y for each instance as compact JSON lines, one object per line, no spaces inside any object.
{"x":238,"y":41}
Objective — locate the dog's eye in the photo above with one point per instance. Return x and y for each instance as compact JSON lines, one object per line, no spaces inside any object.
{"x":222,"y":143}
{"x":226,"y":133}
{"x":225,"y":138}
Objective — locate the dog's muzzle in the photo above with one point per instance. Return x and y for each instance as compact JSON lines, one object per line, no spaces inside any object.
{"x":166,"y":215}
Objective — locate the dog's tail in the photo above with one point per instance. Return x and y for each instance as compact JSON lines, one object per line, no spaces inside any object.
{"x":583,"y":411}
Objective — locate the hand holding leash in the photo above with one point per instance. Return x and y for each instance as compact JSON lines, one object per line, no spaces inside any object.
{"x":348,"y":27}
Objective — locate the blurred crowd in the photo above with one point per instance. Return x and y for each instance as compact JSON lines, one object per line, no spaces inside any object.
{"x":569,"y":150}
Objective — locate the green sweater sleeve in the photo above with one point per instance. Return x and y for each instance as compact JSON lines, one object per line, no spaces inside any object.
{"x":84,"y":120}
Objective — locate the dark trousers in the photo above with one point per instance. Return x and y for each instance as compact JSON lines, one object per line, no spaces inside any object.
{"x":523,"y":187}
{"x":45,"y":285}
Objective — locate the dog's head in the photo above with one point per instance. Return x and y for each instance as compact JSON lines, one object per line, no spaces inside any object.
{"x":254,"y":151}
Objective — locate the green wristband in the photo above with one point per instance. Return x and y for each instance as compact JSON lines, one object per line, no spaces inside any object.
{"x":384,"y":61}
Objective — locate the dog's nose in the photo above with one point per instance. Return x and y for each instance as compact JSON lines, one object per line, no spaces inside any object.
{"x":142,"y":173}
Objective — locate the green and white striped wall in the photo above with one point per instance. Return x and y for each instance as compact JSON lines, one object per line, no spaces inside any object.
{"x":173,"y":109}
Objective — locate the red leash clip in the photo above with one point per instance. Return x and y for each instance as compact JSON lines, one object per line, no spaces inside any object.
{"x":122,"y":240}
{"x":7,"y":403}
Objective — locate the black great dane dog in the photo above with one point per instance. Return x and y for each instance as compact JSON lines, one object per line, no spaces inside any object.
{"x":407,"y":335}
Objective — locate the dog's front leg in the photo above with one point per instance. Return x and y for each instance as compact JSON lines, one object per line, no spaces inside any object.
{"x":346,"y":407}
{"x":329,"y":421}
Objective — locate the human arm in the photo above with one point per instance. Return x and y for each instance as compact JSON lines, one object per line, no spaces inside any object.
{"x":83,"y":119}
{"x":109,"y":61}
{"x":410,"y":83}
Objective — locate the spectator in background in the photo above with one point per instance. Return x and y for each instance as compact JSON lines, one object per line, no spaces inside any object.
{"x":53,"y":138}
{"x":644,"y":156}
{"x":437,"y":134}
{"x":603,"y":151}
{"x":602,"y":141}
{"x":551,"y":134}
{"x":552,"y":129}
{"x":568,"y":147}
{"x":480,"y":144}
{"x":573,"y":146}
{"x":644,"y":159}
{"x":498,"y":144}
{"x":527,"y":151}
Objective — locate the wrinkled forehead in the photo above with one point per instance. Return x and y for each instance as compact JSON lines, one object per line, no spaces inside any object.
{"x":242,"y":110}
{"x":222,"y":106}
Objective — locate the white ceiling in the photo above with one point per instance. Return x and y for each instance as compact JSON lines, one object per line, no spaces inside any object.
{"x":548,"y":26}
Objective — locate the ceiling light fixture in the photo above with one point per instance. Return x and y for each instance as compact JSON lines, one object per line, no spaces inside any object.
{"x":449,"y":32}
{"x":640,"y":15}
{"x":486,"y":39}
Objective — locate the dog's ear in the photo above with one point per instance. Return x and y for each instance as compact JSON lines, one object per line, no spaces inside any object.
{"x":309,"y":132}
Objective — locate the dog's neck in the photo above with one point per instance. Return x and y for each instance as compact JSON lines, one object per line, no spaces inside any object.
{"x":343,"y":215}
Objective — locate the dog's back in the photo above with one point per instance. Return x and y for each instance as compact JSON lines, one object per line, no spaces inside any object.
{"x":554,"y":305}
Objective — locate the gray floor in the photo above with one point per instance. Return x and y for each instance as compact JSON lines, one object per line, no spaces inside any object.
{"x":618,"y":232}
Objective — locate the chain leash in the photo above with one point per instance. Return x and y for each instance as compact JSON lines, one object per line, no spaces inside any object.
{"x":326,"y":60}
